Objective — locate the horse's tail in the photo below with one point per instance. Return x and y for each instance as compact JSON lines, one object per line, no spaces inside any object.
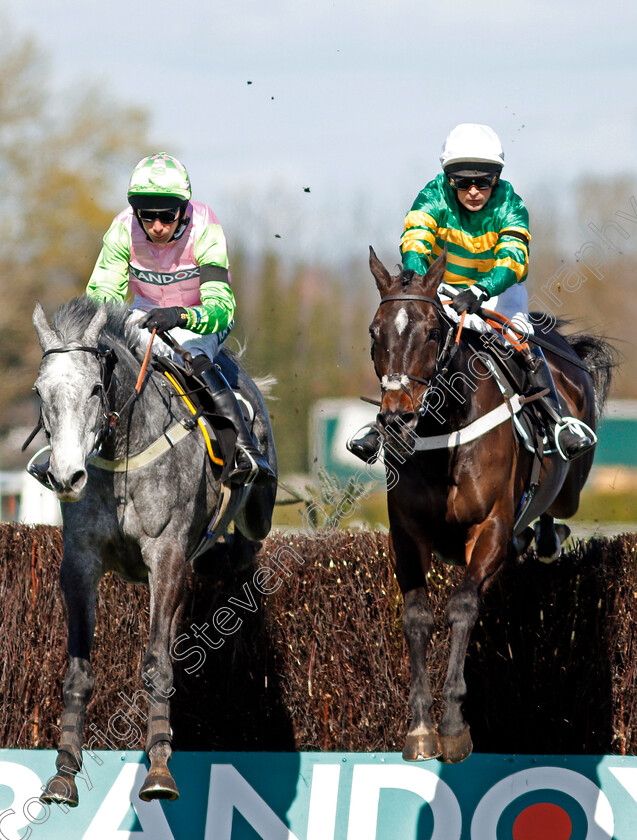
{"x":601,"y":358}
{"x":264,"y":383}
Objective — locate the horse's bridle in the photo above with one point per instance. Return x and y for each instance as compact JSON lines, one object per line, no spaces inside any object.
{"x":444,"y":352}
{"x":107,"y":360}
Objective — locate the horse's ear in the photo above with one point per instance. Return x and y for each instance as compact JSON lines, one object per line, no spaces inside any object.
{"x":46,"y":336}
{"x":436,"y":272}
{"x":381,"y":275}
{"x":95,"y":327}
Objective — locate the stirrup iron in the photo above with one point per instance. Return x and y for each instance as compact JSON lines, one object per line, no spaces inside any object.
{"x":578,"y":427}
{"x":254,"y":469}
{"x":38,"y":471}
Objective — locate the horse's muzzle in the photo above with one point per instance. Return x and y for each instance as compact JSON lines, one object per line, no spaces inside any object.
{"x":68,"y":488}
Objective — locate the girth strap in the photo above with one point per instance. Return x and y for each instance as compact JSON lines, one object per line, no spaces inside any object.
{"x":169,"y":439}
{"x":474,"y":430}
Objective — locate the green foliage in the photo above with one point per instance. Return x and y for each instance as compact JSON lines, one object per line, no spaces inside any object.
{"x":331,"y":504}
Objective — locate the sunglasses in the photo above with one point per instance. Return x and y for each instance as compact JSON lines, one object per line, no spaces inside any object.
{"x":166,"y":217}
{"x":465,"y":182}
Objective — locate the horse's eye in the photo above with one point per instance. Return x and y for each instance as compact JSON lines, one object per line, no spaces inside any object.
{"x":434,"y":335}
{"x":97,"y":389}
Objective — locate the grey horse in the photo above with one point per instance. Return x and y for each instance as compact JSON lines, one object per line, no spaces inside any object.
{"x":142,"y":519}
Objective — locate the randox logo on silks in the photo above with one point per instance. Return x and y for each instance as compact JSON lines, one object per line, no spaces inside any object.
{"x":157,"y":278}
{"x":327,"y":796}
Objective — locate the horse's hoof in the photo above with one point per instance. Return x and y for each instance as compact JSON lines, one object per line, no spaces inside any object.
{"x":455,"y":748}
{"x":159,"y":785}
{"x":421,"y":747}
{"x":61,"y":790}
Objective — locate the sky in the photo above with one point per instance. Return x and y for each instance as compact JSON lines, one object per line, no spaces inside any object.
{"x":263,"y":100}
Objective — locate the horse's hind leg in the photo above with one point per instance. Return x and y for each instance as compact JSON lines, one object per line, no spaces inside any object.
{"x":79,"y":586}
{"x":166,"y":582}
{"x":549,"y":538}
{"x":255,"y":517}
{"x":252,"y":525}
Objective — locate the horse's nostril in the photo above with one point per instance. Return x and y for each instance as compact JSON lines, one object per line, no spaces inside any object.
{"x":78,"y":477}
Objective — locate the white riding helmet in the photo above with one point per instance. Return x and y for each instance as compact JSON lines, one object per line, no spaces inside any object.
{"x":474,"y":143}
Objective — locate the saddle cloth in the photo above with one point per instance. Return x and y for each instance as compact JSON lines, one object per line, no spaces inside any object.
{"x":530,"y":424}
{"x":193,"y":389}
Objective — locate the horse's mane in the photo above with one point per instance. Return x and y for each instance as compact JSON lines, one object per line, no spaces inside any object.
{"x":405,"y":275}
{"x":72,"y":319}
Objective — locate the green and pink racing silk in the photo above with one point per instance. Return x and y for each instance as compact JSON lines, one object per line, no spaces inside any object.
{"x":167,"y":274}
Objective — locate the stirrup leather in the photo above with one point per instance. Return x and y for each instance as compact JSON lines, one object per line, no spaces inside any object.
{"x":578,"y":427}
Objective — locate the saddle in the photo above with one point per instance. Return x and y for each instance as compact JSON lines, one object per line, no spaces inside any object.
{"x":218,"y":431}
{"x":512,"y":379}
{"x":530,"y":425}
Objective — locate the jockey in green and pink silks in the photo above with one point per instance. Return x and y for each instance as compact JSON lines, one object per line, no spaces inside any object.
{"x":183,"y":262}
{"x":171,"y":253}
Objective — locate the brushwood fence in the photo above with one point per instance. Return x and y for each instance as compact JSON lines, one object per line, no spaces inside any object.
{"x":320,"y":663}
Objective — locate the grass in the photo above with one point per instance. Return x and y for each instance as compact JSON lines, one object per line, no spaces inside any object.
{"x":597,"y":504}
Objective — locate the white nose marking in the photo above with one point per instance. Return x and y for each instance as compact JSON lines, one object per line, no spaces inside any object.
{"x":401,"y":320}
{"x":388,"y":384}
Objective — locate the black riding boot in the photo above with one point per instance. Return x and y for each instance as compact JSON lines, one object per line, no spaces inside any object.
{"x":250,"y":464}
{"x":571,"y":438}
{"x":365,"y":446}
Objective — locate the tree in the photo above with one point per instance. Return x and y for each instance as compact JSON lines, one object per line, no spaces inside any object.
{"x":587,"y":278}
{"x":57,"y":164}
{"x":308,"y":330}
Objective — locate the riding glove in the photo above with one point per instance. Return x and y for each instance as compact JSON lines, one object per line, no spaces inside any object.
{"x":165,"y":319}
{"x":469,"y":300}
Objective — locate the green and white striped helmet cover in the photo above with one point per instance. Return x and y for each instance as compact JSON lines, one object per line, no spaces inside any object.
{"x":160,"y":174}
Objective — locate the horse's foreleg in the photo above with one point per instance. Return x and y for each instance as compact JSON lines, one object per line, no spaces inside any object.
{"x":486,"y":550}
{"x":462,"y":612}
{"x":166,"y":588}
{"x":79,"y":593}
{"x":422,"y":738}
{"x":411,"y":558}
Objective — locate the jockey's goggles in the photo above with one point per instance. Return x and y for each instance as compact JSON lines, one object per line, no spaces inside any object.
{"x":465,"y":182}
{"x":166,"y":217}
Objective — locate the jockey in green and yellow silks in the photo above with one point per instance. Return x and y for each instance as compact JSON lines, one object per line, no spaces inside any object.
{"x":489,"y":247}
{"x":484,"y":226}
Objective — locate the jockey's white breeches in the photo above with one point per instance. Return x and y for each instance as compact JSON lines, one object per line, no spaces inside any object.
{"x":513,"y":303}
{"x":197,"y":345}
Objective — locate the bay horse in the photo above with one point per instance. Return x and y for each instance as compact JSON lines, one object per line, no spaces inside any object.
{"x":461,"y":501}
{"x":135,"y":501}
